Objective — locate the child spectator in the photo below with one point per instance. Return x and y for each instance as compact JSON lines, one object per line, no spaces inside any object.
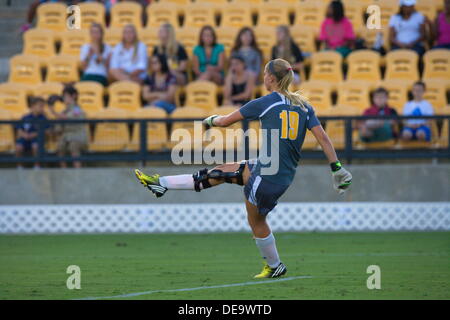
{"x":176,"y":55}
{"x":245,"y":46}
{"x":95,"y":57}
{"x":442,"y":28}
{"x":417,"y":129}
{"x":209,"y":57}
{"x":407,"y":28}
{"x":287,"y":49}
{"x":27,"y":132}
{"x":73,"y":137}
{"x":374,"y":130}
{"x":239,"y":83}
{"x":336,"y":32}
{"x":129,"y":57}
{"x":160,"y":87}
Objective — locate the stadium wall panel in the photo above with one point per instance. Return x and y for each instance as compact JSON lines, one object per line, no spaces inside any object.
{"x":219,"y":217}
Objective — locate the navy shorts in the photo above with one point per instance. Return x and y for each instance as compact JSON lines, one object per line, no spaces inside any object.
{"x":262,"y":193}
{"x":423,"y":128}
{"x":26,"y":144}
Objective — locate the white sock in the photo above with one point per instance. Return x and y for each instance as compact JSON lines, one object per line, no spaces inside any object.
{"x":182,"y":181}
{"x":268,"y":250}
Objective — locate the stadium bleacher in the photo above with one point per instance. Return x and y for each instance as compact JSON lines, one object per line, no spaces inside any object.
{"x":50,"y":57}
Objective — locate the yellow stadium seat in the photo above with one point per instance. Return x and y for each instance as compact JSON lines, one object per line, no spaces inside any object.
{"x":388,"y":8}
{"x":6,"y":132}
{"x":201,"y":94}
{"x":236,"y":15}
{"x":41,"y":43}
{"x":110,"y":136}
{"x":355,"y":94}
{"x":227,"y":37}
{"x":157,"y":136}
{"x":370,"y":35}
{"x":398,"y":93}
{"x":52,"y":16}
{"x":90,"y":97}
{"x":92,"y":12}
{"x":402,"y":64}
{"x":217,"y":5}
{"x":273,"y":14}
{"x":46,"y":89}
{"x":113,"y":36}
{"x":310,"y":13}
{"x":318,"y":93}
{"x":24,"y":68}
{"x":304,"y":37}
{"x":266,"y":39}
{"x":73,"y":40}
{"x":188,"y":36}
{"x":229,"y":138}
{"x":182,"y":133}
{"x":443,"y":137}
{"x":436,"y":94}
{"x":14,"y":99}
{"x":149,"y":36}
{"x":364,"y":65}
{"x":326,"y":66}
{"x":199,"y":16}
{"x":336,"y":128}
{"x":428,"y":8}
{"x":161,"y":12}
{"x":125,"y":95}
{"x":354,"y":12}
{"x":63,"y":68}
{"x":128,"y":12}
{"x":437,"y":66}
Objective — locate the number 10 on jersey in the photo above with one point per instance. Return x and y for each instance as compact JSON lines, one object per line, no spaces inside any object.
{"x":289,"y":124}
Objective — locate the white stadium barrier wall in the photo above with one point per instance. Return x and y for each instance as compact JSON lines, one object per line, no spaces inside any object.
{"x":219,"y":217}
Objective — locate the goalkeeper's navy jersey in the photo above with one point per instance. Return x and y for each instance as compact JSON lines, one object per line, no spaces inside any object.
{"x":275,"y":111}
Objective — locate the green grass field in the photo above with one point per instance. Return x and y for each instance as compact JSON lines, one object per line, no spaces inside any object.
{"x":413,"y":265}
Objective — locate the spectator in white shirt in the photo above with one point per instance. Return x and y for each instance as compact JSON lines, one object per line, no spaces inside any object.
{"x":95,"y":57}
{"x":129,"y":57}
{"x":417,"y":129}
{"x":407,"y":28}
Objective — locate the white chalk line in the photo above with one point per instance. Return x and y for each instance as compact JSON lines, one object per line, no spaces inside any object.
{"x":242,"y":284}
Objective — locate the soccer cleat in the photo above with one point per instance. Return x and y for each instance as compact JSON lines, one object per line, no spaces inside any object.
{"x":151,"y":182}
{"x":268,"y":272}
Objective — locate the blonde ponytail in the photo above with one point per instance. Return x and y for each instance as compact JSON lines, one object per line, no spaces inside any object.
{"x":284,"y":74}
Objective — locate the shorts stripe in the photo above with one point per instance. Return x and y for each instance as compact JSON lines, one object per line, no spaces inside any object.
{"x":254,"y":188}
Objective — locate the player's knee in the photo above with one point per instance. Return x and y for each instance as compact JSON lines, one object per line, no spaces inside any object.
{"x":421,"y":135}
{"x":406,"y":135}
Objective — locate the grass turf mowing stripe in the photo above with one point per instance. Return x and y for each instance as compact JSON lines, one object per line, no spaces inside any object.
{"x":242,"y":284}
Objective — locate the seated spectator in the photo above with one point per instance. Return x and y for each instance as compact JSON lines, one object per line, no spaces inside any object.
{"x":374,"y":130}
{"x":27,"y":132}
{"x":407,"y":28}
{"x":336,"y":32}
{"x":245,"y":45}
{"x":209,"y":57}
{"x":417,"y":129}
{"x":95,"y":57}
{"x":72,"y":137}
{"x":129,"y":57}
{"x":442,"y":28}
{"x":161,"y":85}
{"x":176,"y":55}
{"x":286,"y":49}
{"x":239,"y":83}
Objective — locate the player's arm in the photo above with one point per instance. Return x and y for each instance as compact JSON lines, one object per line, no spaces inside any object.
{"x":223,"y":121}
{"x":341,"y":177}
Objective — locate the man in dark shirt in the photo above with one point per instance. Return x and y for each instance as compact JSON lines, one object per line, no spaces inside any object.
{"x":27,"y":131}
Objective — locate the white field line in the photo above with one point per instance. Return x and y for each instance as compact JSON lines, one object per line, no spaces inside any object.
{"x":242,"y":284}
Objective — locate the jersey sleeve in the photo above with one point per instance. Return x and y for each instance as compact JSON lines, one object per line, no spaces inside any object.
{"x":252,"y":110}
{"x":312,"y":120}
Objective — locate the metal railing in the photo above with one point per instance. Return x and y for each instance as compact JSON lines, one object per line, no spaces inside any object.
{"x":142,"y":154}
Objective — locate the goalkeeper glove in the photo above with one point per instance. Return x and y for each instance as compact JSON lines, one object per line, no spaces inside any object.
{"x":342,"y":179}
{"x":210,"y":120}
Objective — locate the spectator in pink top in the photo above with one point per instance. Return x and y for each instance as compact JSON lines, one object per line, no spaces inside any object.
{"x":442,"y":28}
{"x":337,"y":31}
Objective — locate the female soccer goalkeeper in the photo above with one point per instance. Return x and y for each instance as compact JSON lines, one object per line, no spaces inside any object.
{"x":291,"y":115}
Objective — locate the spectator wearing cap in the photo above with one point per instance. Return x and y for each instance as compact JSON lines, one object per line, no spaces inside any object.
{"x":73,"y":137}
{"x":407,"y":28}
{"x":239,"y":83}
